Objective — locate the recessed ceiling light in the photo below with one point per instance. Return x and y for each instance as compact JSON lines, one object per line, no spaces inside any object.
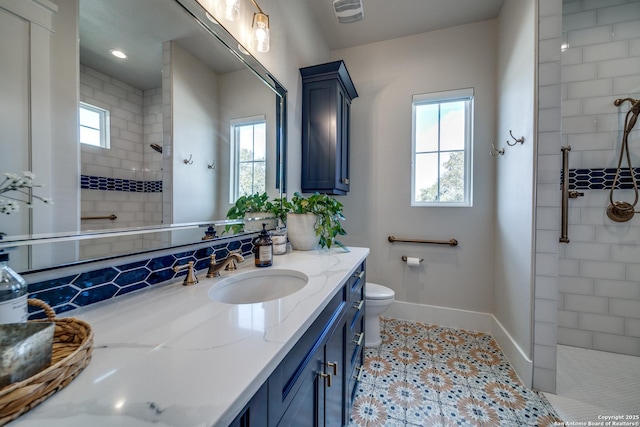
{"x":118,"y":53}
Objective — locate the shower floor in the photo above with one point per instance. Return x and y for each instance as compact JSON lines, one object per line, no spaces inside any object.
{"x":594,"y":383}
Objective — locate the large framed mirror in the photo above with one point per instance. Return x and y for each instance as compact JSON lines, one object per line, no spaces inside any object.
{"x":145,"y":152}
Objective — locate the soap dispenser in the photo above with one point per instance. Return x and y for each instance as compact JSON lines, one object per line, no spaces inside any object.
{"x":263,"y":248}
{"x":13,"y":294}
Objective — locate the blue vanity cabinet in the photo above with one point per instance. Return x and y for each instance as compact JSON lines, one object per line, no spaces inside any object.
{"x":327,"y":92}
{"x":307,"y":388}
{"x":315,"y":383}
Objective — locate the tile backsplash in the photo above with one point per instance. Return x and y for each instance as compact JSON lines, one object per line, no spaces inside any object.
{"x":92,"y":286}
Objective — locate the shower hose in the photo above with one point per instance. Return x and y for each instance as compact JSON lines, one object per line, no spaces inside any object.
{"x":623,"y":211}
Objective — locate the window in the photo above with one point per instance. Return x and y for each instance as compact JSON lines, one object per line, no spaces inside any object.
{"x":94,"y":125}
{"x":441,"y":148}
{"x":248,"y":156}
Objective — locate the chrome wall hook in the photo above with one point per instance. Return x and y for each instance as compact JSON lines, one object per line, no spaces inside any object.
{"x":211,"y":165}
{"x":495,"y":152}
{"x":188,"y":161}
{"x":515,"y":140}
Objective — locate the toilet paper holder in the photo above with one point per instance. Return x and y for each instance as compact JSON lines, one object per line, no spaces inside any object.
{"x":404,"y":258}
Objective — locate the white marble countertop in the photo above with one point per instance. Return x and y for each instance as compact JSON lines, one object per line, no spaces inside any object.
{"x":171,"y":356}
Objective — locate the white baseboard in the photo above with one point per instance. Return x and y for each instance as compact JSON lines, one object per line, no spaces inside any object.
{"x":470,"y":320}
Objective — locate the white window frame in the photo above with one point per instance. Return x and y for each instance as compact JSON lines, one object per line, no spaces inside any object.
{"x":105,"y":125}
{"x":437,"y":98}
{"x":234,"y":144}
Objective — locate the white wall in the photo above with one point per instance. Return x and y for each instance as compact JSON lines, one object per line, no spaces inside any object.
{"x":194,"y":95}
{"x":386,"y":75}
{"x":514,"y":172}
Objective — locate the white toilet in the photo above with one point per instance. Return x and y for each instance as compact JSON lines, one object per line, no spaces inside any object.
{"x":378,"y":299}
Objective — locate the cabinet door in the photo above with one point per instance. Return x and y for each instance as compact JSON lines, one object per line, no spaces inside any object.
{"x":304,"y":409}
{"x":255,"y":413}
{"x":319,"y":112}
{"x":335,"y":413}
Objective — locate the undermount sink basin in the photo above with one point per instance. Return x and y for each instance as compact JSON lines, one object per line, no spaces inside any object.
{"x":258,"y":286}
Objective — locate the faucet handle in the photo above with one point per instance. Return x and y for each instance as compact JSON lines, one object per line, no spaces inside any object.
{"x":212,"y":272}
{"x":190,"y":279}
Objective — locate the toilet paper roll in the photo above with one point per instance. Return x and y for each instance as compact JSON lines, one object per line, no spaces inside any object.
{"x":413,"y":261}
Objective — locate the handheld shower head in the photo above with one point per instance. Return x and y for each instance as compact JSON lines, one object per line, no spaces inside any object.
{"x":157,"y":147}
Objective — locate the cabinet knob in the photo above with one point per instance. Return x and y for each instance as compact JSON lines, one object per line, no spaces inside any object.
{"x":359,"y":275}
{"x":358,"y":305}
{"x":345,"y":181}
{"x":327,"y":378}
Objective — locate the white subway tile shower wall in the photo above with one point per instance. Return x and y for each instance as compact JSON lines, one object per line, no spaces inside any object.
{"x":136,"y":122}
{"x":599,"y":284}
{"x":547,"y":193}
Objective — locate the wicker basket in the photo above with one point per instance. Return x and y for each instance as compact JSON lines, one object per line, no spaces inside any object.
{"x":72,"y":347}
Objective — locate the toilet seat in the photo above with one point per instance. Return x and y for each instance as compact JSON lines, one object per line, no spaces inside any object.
{"x":373,"y":291}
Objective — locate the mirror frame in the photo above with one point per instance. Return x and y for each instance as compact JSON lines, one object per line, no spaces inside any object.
{"x":217,"y":31}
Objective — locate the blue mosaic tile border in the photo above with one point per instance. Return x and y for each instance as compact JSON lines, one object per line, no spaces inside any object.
{"x":601,"y":179}
{"x":90,"y":182}
{"x":79,"y":290}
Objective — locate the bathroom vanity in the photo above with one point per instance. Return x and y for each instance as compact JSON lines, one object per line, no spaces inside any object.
{"x":174,"y":356}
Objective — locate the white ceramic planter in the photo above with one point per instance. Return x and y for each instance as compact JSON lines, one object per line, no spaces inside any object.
{"x":301,"y":231}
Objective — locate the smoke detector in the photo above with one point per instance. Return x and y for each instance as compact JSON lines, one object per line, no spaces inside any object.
{"x":348,"y":11}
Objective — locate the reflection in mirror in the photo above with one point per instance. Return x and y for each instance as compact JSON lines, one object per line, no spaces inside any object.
{"x":170,"y":134}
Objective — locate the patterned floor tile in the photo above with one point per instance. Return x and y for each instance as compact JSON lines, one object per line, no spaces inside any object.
{"x":427,"y":375}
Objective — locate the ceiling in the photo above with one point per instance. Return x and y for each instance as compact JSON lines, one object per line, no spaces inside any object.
{"x":390,"y":19}
{"x":139,"y":27}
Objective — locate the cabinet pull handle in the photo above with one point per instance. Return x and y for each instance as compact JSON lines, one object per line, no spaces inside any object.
{"x":360,"y":370}
{"x":359,"y":275}
{"x":358,"y":305}
{"x":327,"y":378}
{"x":358,"y":341}
{"x":333,"y":365}
{"x":345,"y":181}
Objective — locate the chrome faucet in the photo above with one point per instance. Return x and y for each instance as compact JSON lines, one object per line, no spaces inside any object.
{"x":229,"y":263}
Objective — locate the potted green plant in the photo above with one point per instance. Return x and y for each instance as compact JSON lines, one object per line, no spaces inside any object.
{"x":314,"y":220}
{"x":254,"y":210}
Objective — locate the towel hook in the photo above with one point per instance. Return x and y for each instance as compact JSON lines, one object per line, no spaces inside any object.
{"x":495,"y":152}
{"x":188,"y":161}
{"x":516,"y":140}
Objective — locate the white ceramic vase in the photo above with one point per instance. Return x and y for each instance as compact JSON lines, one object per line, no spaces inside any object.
{"x":301,"y":231}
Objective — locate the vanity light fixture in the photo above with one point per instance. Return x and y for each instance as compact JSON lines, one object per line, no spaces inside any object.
{"x":118,"y":53}
{"x":260,"y":30}
{"x":229,"y":9}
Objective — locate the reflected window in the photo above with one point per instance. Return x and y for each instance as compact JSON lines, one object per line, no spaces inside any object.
{"x":441,"y":148}
{"x":248,"y":156}
{"x":94,"y":125}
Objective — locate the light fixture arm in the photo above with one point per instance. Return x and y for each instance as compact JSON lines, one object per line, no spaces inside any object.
{"x":258,"y":7}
